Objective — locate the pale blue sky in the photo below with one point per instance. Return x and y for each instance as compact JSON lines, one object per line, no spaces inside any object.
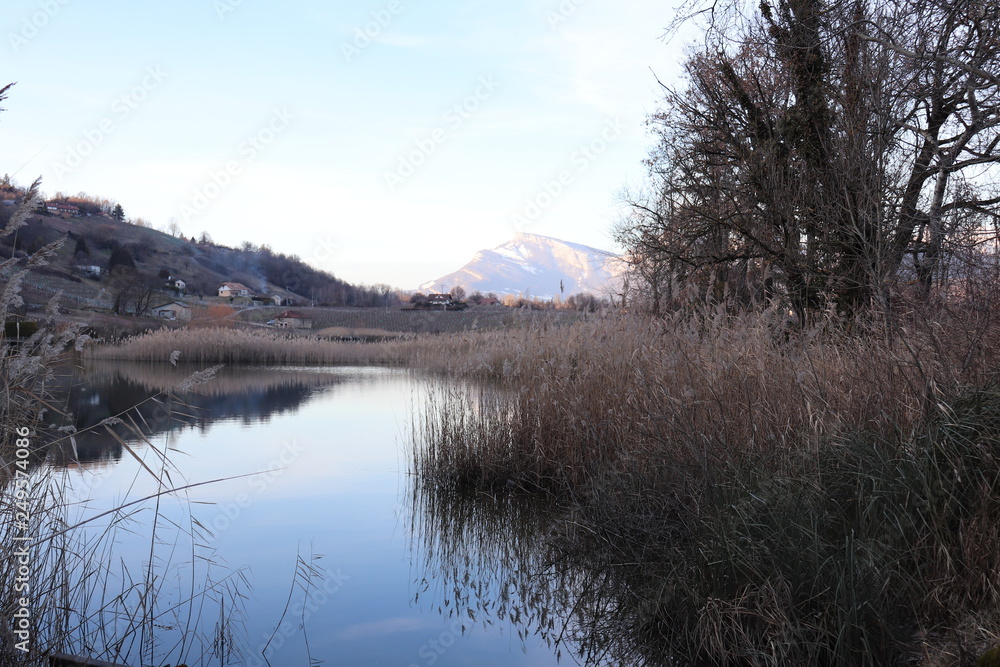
{"x":387,"y":157}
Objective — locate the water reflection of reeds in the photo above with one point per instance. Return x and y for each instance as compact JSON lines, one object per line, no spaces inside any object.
{"x":88,"y":596}
{"x":506,"y":558}
{"x":480,"y":557}
{"x":227,"y":380}
{"x":494,"y":550}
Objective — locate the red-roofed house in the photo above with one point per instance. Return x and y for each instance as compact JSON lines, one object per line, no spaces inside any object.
{"x":290,"y":318}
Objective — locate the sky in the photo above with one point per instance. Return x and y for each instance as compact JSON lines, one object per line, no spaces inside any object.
{"x":384,"y":141}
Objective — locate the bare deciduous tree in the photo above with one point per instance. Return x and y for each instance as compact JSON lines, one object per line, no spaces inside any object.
{"x":134,"y":292}
{"x":822,"y":151}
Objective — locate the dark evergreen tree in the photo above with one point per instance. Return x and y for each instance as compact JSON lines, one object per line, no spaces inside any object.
{"x":81,"y":249}
{"x":120,"y":257}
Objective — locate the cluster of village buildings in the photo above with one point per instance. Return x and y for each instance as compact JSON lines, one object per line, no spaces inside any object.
{"x":175,"y":310}
{"x":61,"y":209}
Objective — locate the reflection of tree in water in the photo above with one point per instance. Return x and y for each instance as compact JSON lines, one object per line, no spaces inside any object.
{"x":145,"y":394}
{"x":510,"y":558}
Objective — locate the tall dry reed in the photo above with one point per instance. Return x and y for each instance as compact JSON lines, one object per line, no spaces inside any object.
{"x":745,"y":494}
{"x":580,"y":400}
{"x":64,"y":588}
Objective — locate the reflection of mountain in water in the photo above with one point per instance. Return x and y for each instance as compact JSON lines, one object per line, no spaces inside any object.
{"x":145,"y":398}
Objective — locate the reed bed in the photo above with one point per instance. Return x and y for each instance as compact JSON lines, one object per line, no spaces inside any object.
{"x":237,"y":346}
{"x":566,"y":404}
{"x":861,"y":552}
{"x":740,"y":493}
{"x":743,"y":494}
{"x":63,"y":587}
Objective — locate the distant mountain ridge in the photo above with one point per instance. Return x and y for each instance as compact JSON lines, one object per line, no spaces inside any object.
{"x":535,"y":266}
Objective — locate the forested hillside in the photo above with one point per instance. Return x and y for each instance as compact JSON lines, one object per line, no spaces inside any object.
{"x":100,"y":253}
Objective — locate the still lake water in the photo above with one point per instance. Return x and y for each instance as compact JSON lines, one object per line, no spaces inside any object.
{"x":337,"y":560}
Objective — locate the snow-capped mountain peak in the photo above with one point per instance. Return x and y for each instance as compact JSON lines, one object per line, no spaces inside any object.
{"x":534,"y":266}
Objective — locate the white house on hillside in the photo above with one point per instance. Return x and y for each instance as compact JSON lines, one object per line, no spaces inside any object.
{"x":65,"y":210}
{"x":440,"y":300}
{"x":234,"y":289}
